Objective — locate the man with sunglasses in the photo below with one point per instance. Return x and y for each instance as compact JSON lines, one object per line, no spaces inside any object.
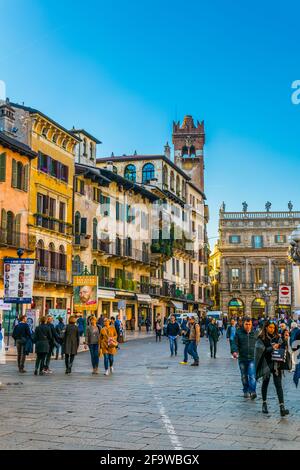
{"x":243,"y":349}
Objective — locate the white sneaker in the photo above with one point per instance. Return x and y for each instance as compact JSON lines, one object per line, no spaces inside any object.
{"x":111,"y":369}
{"x":106,"y":372}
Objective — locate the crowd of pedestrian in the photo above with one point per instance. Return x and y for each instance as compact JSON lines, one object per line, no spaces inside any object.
{"x":102,"y":337}
{"x":264,"y":347}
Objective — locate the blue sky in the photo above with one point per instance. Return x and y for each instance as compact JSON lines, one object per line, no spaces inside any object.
{"x":124,"y":70}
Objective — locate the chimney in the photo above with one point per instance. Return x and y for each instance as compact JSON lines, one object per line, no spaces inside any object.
{"x":7,"y":118}
{"x":167,"y":151}
{"x":109,"y":166}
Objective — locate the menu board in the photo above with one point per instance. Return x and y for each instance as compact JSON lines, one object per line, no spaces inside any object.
{"x":18,"y":280}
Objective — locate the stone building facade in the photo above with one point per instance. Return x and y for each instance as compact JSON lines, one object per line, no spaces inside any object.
{"x":252,"y":252}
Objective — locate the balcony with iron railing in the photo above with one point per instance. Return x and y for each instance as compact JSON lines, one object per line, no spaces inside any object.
{"x":81,"y":241}
{"x":17,"y":240}
{"x":50,"y":223}
{"x":50,"y":275}
{"x":121,"y":250}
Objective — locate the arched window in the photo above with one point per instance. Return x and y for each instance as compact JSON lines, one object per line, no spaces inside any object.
{"x":77,"y":265}
{"x":183,"y":195}
{"x":192,"y":151}
{"x":148,"y":172}
{"x":10,"y":227}
{"x":130,"y":173}
{"x":52,"y":256}
{"x":165,"y":177}
{"x":62,"y":258}
{"x":172,"y":181}
{"x":185,"y":151}
{"x":178,"y":185}
{"x":41,"y":254}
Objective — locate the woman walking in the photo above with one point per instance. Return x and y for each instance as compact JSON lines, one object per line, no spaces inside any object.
{"x":92,"y":340}
{"x":158,"y":328}
{"x":271,"y":357}
{"x":71,"y":343}
{"x":108,"y":345}
{"x":43,"y":339}
{"x":213,"y":334}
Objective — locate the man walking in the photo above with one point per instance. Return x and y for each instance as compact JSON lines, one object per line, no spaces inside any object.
{"x":244,"y":345}
{"x":21,"y":334}
{"x":231,"y":331}
{"x":173,"y":332}
{"x":194,"y":340}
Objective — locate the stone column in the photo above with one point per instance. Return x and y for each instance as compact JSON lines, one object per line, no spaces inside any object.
{"x":296,"y":284}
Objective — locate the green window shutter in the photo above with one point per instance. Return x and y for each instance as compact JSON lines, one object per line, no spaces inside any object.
{"x":2,"y":166}
{"x":14,"y":175}
{"x":3,"y":219}
{"x":26,"y":177}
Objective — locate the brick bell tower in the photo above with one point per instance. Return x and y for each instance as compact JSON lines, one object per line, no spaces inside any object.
{"x":188,"y":141}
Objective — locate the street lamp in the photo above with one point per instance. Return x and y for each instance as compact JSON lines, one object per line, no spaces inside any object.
{"x":266,"y":293}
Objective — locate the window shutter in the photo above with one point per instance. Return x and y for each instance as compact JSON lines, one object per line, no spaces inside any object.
{"x":2,"y":166}
{"x":117,"y":210}
{"x":25,"y":178}
{"x":83,"y":225}
{"x":14,"y":175}
{"x":3,"y":220}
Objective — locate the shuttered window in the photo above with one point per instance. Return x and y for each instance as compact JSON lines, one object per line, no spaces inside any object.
{"x":2,"y":167}
{"x":14,"y":174}
{"x":26,"y":177}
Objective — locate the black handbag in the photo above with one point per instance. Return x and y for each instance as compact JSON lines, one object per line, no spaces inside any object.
{"x":279,"y":355}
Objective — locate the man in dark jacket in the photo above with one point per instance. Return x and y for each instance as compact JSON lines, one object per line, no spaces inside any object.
{"x":173,"y":331}
{"x":243,"y":349}
{"x":230,"y":335}
{"x":21,"y":334}
{"x":60,"y":330}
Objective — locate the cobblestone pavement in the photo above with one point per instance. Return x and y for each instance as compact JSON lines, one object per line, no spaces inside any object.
{"x":150,"y":402}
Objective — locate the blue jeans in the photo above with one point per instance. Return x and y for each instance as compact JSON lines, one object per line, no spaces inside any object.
{"x":94,"y":350}
{"x":192,"y":350}
{"x":173,"y":344}
{"x":247,"y":369}
{"x":185,"y":352}
{"x":108,"y":361}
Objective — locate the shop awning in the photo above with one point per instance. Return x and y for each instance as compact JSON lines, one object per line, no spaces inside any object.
{"x":178,"y":305}
{"x":144,"y":298}
{"x":122,"y":294}
{"x":106,"y":294}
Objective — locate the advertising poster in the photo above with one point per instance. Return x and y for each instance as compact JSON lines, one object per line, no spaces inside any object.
{"x":32,"y":318}
{"x":18,"y":280}
{"x":85,"y":293}
{"x":56,"y":313}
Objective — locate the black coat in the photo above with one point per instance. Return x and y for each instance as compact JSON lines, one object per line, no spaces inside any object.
{"x":244,"y":344}
{"x":173,"y":329}
{"x":263,"y":357}
{"x":42,"y":339}
{"x":213,"y":331}
{"x":71,"y":339}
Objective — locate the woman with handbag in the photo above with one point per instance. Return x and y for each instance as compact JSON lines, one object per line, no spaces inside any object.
{"x":271,"y":358}
{"x":108,"y":345}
